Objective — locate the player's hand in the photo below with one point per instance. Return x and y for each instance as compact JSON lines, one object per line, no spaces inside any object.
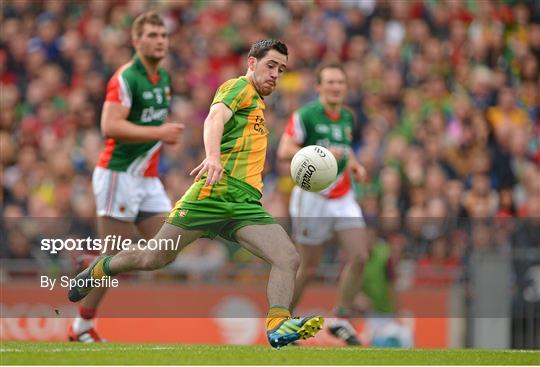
{"x":212,"y":166}
{"x":170,"y":132}
{"x":358,"y":171}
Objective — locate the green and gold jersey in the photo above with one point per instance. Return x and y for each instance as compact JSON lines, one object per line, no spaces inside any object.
{"x":244,"y":141}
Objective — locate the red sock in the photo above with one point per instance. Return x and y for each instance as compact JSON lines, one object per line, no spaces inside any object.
{"x":87,"y":313}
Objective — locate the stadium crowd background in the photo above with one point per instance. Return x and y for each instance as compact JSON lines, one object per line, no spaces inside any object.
{"x":446,"y":95}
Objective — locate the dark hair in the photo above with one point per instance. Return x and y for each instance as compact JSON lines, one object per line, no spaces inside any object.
{"x":260,"y":48}
{"x":149,"y":17}
{"x":330,"y":65}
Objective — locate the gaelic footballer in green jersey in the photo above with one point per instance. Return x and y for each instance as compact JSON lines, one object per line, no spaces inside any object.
{"x":311,"y":125}
{"x":130,"y":199}
{"x":125,"y":180}
{"x":148,"y":100}
{"x":316,"y":217}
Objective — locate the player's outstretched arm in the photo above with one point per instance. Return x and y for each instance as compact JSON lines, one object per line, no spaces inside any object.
{"x":114,"y":124}
{"x":213,"y":132}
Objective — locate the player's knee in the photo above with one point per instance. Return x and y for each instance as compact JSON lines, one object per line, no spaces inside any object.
{"x":289,"y":260}
{"x":293,"y":260}
{"x":297,"y":261}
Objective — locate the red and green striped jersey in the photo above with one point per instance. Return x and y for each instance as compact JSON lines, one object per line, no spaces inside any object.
{"x":244,"y":141}
{"x":312,"y":125}
{"x":148,"y":101}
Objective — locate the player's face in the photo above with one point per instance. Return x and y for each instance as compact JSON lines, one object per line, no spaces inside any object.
{"x":333,"y":86}
{"x":267,"y":70}
{"x":153,"y":42}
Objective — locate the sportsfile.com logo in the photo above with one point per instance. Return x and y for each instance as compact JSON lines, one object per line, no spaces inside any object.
{"x":110,"y":242}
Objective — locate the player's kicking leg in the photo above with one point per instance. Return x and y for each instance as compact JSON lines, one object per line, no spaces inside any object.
{"x":271,"y":243}
{"x":133,"y":259}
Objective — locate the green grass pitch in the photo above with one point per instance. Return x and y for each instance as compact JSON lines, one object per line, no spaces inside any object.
{"x":31,"y":353}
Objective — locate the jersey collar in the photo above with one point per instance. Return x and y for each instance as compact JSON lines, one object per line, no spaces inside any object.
{"x":140,"y":66}
{"x":334,"y":117}
{"x":253,"y":85}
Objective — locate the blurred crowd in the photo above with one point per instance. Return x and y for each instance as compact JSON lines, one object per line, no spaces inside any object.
{"x":446,"y":95}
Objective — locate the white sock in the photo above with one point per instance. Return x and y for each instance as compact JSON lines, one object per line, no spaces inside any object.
{"x":81,"y":325}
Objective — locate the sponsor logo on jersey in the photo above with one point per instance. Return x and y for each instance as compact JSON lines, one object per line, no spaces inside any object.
{"x":322,"y":129}
{"x":147,"y":95}
{"x":150,"y":114}
{"x":259,"y":126}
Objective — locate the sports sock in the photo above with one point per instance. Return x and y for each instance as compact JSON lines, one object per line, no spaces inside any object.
{"x":101,"y":269}
{"x":85,"y":320}
{"x":87,"y":313}
{"x":276,"y":314}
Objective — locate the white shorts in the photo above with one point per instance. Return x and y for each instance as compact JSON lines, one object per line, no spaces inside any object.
{"x":315,"y":218}
{"x":122,"y":196}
